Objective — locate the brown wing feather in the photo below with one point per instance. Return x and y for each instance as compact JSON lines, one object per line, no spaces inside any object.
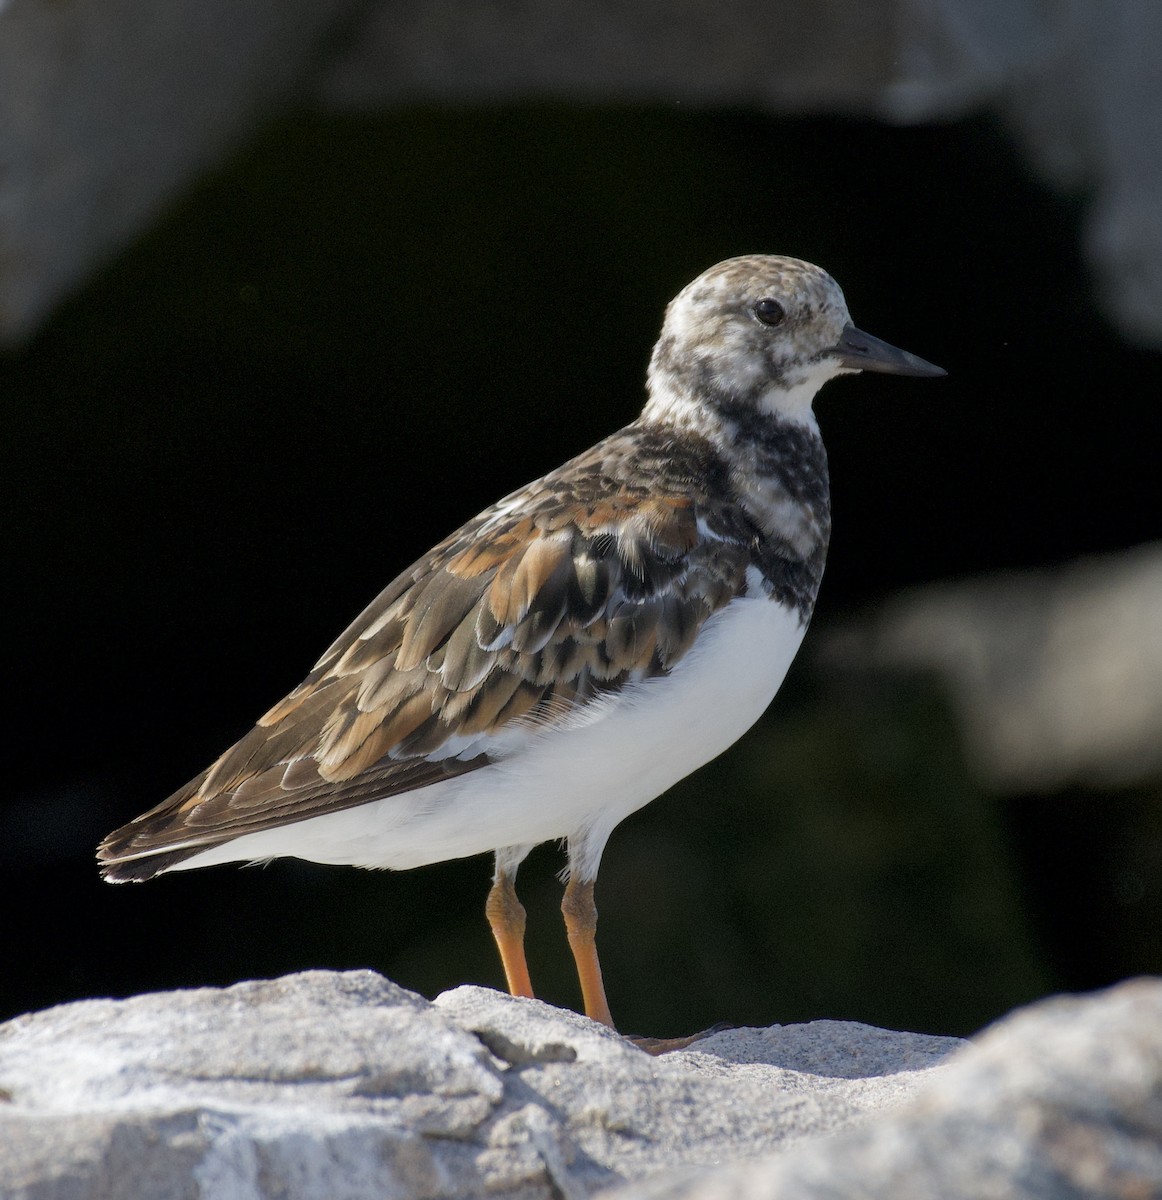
{"x":531,"y":609}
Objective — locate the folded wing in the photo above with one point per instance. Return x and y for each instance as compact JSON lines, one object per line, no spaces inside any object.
{"x":533,"y":609}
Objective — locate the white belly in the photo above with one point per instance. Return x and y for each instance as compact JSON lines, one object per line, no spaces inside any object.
{"x":574,"y":782}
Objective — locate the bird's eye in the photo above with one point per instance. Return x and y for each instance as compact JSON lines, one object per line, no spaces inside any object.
{"x":770,"y":311}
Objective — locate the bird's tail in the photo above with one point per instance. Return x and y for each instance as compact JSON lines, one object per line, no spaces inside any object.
{"x":153,"y":842}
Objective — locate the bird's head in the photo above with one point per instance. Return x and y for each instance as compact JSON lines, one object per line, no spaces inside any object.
{"x":764,"y":332}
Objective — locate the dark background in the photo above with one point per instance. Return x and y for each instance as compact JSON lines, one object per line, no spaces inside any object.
{"x":360,"y":332}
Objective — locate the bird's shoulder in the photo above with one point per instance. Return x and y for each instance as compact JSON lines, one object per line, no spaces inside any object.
{"x":602,"y":568}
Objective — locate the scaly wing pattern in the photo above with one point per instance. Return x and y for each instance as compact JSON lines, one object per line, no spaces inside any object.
{"x":561,"y":592}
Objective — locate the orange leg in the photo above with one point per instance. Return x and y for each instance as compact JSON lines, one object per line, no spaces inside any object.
{"x":506,"y":915}
{"x":581,"y":925}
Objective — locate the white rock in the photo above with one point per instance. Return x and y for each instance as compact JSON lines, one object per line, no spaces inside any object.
{"x":1062,"y":1100}
{"x":347,"y":1086}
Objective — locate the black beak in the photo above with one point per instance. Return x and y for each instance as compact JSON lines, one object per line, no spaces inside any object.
{"x":859,"y":351}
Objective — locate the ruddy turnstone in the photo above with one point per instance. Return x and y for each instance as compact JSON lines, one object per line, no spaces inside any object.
{"x":569,"y":654}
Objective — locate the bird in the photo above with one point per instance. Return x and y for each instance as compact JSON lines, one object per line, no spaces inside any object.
{"x":573,"y":651}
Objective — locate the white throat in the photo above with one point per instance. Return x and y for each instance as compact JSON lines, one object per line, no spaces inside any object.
{"x":794,"y":403}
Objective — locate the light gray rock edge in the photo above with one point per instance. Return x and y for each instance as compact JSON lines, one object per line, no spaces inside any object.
{"x":1062,"y":1101}
{"x":346,"y":1086}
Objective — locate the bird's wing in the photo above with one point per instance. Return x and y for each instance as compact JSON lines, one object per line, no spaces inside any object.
{"x":536,"y":607}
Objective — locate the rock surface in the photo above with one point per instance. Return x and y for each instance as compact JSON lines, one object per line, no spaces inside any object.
{"x":346,"y":1086}
{"x":1061,"y":1101}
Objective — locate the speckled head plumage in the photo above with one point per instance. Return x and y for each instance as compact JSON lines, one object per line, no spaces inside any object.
{"x":763,"y":332}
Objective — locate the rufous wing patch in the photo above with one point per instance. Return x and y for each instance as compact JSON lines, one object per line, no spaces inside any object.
{"x":354,"y":742}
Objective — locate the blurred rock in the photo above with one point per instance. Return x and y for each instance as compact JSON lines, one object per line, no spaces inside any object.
{"x":106,"y":110}
{"x":346,"y":1086}
{"x":779,"y":56}
{"x":1079,"y":86}
{"x":1063,"y":1099}
{"x":1056,"y":675}
{"x":1077,"y":83}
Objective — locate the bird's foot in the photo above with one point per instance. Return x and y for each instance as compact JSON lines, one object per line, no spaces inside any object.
{"x":656,"y":1046}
